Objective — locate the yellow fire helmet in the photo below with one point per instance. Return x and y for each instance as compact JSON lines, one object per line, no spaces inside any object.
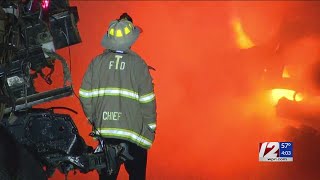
{"x":120,"y":36}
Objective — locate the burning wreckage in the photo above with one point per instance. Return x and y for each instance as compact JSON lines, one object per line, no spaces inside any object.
{"x":285,"y":69}
{"x":36,"y":142}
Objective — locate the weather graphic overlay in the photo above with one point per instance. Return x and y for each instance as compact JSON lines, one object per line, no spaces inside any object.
{"x":276,"y":152}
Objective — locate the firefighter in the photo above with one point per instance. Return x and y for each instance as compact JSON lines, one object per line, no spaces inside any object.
{"x":118,"y":98}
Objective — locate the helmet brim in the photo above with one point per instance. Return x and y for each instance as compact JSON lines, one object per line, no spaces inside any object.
{"x":120,"y":44}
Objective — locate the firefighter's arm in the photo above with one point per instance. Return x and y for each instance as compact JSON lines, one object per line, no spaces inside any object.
{"x":147,"y":97}
{"x":86,"y":94}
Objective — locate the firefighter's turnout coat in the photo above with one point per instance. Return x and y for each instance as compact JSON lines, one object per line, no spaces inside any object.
{"x":117,"y":96}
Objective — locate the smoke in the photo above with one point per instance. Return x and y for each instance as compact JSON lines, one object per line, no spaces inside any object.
{"x":299,"y":38}
{"x":212,"y":112}
{"x":306,"y":146}
{"x":301,"y":21}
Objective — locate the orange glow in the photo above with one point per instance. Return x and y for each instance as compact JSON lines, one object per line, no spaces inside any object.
{"x":285,"y":73}
{"x":210,"y":98}
{"x":242,"y":39}
{"x":277,"y":94}
{"x":299,"y":97}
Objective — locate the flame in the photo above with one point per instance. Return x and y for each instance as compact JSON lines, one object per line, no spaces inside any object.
{"x":242,"y":39}
{"x":285,"y":73}
{"x":291,"y":95}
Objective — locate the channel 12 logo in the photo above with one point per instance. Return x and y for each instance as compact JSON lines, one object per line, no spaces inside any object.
{"x":276,"y":151}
